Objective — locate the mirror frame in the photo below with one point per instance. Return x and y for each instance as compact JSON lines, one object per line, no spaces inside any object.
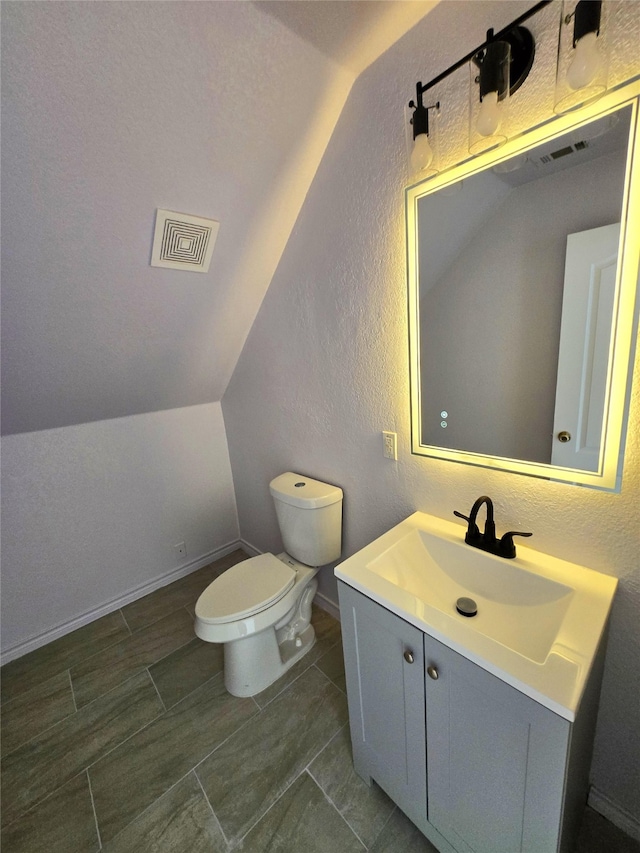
{"x":620,"y":368}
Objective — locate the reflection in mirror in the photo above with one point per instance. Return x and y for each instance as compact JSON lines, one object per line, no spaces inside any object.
{"x":516,"y":279}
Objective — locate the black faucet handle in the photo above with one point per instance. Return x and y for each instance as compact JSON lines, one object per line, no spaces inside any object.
{"x":473,"y":527}
{"x":473,"y":532}
{"x":507,"y":548}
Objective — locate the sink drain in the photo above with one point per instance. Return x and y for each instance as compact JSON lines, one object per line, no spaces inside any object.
{"x":466,"y":607}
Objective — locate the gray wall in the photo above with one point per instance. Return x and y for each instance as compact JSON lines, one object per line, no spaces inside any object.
{"x":325,"y":367}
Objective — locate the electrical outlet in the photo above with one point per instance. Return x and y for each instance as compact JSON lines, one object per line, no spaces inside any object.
{"x":390,"y":445}
{"x":181,"y":550}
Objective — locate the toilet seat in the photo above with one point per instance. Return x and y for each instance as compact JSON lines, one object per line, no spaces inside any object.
{"x":245,"y":589}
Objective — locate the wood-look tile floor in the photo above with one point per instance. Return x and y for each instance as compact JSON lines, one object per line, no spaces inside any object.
{"x":121,"y":737}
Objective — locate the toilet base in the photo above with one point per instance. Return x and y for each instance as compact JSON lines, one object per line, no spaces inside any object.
{"x":251,"y":664}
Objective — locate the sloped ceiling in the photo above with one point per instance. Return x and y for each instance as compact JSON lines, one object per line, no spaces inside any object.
{"x":112,"y":110}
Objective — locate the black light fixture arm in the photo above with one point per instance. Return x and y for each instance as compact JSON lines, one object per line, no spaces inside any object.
{"x":420,"y":119}
{"x":586,"y":19}
{"x":423,"y":87}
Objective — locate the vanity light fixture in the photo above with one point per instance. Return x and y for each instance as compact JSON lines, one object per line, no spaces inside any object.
{"x":499,"y":67}
{"x":489,"y":95}
{"x":581,"y":74}
{"x":422,"y":152}
{"x":497,"y":71}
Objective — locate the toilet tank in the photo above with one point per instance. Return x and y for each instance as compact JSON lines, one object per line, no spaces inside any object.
{"x":310,"y":518}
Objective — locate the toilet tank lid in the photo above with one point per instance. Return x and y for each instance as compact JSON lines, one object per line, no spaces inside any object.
{"x":297,"y":490}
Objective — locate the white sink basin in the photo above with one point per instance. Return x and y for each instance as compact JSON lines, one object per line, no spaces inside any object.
{"x":539,"y":619}
{"x":518,"y":608}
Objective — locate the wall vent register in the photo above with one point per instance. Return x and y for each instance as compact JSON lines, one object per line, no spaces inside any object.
{"x":183,"y":242}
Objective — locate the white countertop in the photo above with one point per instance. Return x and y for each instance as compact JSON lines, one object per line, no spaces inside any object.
{"x":556,"y":678}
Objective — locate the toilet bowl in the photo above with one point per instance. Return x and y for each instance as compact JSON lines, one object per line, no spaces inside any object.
{"x":260,"y":609}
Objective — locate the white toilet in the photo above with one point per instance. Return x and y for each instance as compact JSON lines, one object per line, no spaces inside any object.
{"x":261,"y":608}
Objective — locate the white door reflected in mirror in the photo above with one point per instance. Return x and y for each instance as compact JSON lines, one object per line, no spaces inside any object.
{"x":585,"y":336}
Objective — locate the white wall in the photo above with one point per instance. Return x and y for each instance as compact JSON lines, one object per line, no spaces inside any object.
{"x":325,"y":367}
{"x":111,"y":110}
{"x":91,"y":513}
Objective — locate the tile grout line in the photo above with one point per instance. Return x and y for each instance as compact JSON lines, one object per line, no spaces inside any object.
{"x":108,"y":646}
{"x":191,"y":769}
{"x":391,"y":814}
{"x":215,"y":816}
{"x":305,"y":769}
{"x":37,"y":805}
{"x":334,"y":806}
{"x":322,"y":749}
{"x":93,"y":763}
{"x":146,"y":809}
{"x":337,"y":643}
{"x":155,"y":719}
{"x":234,"y":732}
{"x":133,"y":734}
{"x":64,"y":668}
{"x":48,"y":728}
{"x":173,"y":651}
{"x":285,"y":687}
{"x":126,"y":625}
{"x":172,"y":612}
{"x":266,"y":812}
{"x":258,"y":710}
{"x":157,"y":691}
{"x":36,"y":736}
{"x":317,"y":755}
{"x":73,"y":695}
{"x":124,"y":619}
{"x":142,"y":668}
{"x":309,"y":771}
{"x":93,"y":806}
{"x":167,"y":587}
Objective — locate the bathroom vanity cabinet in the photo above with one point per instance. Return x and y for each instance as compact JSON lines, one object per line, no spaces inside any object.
{"x":477,"y":765}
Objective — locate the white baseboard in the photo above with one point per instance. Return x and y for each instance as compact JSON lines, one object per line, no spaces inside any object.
{"x":618,"y":816}
{"x":30,"y":645}
{"x":26,"y":646}
{"x":326,"y":604}
{"x":251,"y":550}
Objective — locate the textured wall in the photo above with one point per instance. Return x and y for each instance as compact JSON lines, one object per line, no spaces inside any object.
{"x":109,"y":111}
{"x":325,"y":367}
{"x":92,"y":512}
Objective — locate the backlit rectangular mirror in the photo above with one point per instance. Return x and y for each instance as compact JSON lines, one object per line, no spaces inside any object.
{"x":523,"y":278}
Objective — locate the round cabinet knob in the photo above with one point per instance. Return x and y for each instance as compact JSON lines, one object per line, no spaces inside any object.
{"x":408,"y":656}
{"x":564,"y":436}
{"x":432,"y":672}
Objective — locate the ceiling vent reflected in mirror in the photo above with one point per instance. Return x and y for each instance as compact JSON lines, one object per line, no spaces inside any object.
{"x":183,"y":242}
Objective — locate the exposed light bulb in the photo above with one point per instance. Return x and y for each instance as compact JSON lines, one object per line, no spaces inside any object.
{"x":586,"y":62}
{"x":489,"y":116}
{"x":422,"y":154}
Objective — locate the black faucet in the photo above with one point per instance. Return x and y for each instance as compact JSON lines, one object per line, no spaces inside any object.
{"x":487,"y":541}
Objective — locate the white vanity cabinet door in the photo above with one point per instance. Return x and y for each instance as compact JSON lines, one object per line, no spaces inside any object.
{"x":496,"y":760}
{"x":385,"y":687}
